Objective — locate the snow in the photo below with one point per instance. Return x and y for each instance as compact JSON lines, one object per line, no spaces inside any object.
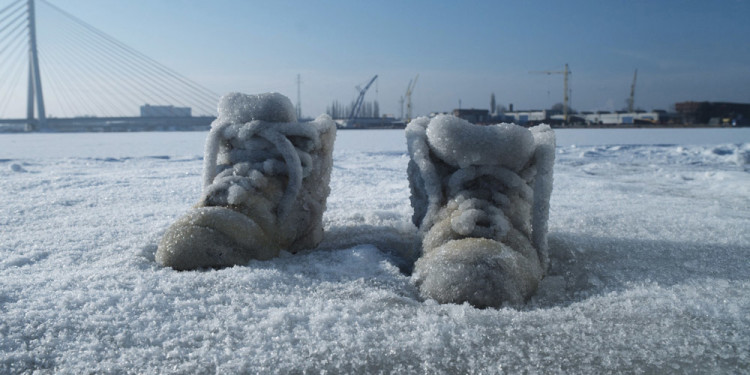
{"x":648,"y":241}
{"x":238,"y":108}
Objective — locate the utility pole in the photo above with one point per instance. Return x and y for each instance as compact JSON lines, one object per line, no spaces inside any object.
{"x":401,"y":103}
{"x":409,"y":90}
{"x":35,"y":80}
{"x":299,"y":100}
{"x":631,"y":100}
{"x":566,"y":99}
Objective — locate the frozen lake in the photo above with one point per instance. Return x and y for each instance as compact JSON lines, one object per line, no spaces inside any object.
{"x":649,"y":241}
{"x":191,"y":143}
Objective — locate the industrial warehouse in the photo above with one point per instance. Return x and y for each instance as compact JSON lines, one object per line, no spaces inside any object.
{"x":685,"y":114}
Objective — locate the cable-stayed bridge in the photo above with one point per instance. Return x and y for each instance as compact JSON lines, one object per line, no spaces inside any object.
{"x":76,"y":77}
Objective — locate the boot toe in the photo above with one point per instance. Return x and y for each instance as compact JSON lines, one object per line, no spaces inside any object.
{"x":214,"y":237}
{"x":480,"y":271}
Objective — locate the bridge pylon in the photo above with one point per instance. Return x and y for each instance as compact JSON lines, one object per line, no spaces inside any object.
{"x":35,"y":95}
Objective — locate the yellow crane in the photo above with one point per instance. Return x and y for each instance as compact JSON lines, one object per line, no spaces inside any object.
{"x":566,"y":72}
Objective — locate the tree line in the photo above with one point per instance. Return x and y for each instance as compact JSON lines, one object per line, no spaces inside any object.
{"x":339,"y":111}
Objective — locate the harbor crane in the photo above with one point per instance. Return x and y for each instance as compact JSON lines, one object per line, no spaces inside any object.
{"x":358,"y":104}
{"x":409,"y":90}
{"x":566,"y":72}
{"x":631,"y":100}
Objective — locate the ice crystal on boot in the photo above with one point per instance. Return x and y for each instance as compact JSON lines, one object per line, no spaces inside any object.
{"x":265,"y":184}
{"x":481,"y":200}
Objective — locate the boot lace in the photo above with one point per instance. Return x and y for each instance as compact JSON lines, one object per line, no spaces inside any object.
{"x":241,"y":158}
{"x":489,"y":200}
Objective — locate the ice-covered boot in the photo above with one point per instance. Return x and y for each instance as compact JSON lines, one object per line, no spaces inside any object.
{"x":265,"y":183}
{"x":481,"y":200}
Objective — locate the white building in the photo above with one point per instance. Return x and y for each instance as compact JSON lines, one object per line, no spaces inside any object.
{"x":522,"y":117}
{"x":606,"y":118}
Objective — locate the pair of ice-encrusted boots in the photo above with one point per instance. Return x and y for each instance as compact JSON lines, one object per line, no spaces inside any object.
{"x":480,"y":196}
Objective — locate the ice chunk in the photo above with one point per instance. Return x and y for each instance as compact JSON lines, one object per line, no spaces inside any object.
{"x":481,"y":200}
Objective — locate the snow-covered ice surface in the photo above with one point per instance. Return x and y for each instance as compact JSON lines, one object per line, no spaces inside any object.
{"x":648,"y":243}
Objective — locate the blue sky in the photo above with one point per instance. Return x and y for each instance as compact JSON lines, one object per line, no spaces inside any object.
{"x":683,"y":50}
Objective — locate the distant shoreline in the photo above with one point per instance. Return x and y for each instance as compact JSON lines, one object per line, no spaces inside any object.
{"x":603,"y":126}
{"x":11,"y":130}
{"x":646,"y":126}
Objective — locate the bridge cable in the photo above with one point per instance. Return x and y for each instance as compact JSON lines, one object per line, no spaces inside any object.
{"x":93,"y":52}
{"x":14,"y":50}
{"x":17,"y":32}
{"x":19,"y":16}
{"x":93,"y":60}
{"x":67,"y":76}
{"x":98,"y":49}
{"x":152,"y":63}
{"x":17,"y":2}
{"x":21,"y":8}
{"x":17,"y":38}
{"x":50,"y":76}
{"x":15,"y":58}
{"x":72,"y":87}
{"x":199,"y":90}
{"x":18,"y":73}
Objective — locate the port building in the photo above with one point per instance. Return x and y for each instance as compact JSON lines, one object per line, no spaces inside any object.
{"x":714,"y":113}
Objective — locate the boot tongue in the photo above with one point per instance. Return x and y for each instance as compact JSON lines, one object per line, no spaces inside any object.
{"x":461,"y":143}
{"x":237,"y":108}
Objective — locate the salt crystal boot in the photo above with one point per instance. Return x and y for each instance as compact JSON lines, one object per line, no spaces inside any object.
{"x":265,"y":184}
{"x":481,"y":201}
